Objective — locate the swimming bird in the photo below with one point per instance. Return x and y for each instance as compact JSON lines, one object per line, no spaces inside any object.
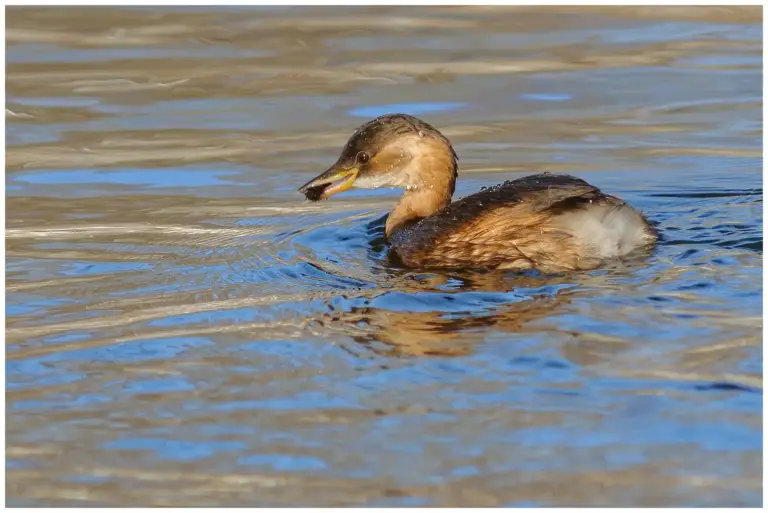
{"x":551,"y":222}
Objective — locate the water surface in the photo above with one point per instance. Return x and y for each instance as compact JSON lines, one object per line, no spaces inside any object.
{"x":182,"y":329}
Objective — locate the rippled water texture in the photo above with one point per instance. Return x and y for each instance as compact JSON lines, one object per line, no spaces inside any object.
{"x":184,"y":329}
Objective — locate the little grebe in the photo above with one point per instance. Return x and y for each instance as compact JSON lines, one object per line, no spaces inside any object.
{"x":546,"y":221}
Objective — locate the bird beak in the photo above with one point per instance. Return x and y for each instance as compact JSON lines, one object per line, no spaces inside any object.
{"x":333,"y":181}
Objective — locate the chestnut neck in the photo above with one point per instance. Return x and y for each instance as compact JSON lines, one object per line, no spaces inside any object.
{"x":430,"y":188}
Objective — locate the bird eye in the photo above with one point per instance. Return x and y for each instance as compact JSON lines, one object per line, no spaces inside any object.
{"x":363,"y":157}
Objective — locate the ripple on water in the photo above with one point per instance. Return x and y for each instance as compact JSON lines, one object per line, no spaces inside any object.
{"x":183,"y":329}
{"x":414,"y":109}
